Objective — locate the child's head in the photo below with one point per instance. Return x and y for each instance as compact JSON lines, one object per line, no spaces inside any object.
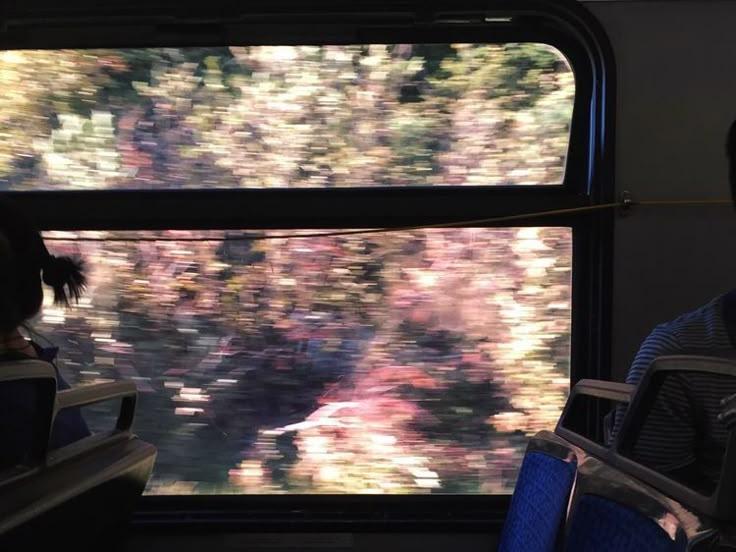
{"x":24,"y":264}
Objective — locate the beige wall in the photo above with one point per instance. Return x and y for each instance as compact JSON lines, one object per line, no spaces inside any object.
{"x":676,"y":65}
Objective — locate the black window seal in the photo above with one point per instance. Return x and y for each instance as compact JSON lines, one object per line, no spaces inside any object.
{"x":329,"y":513}
{"x":578,"y":177}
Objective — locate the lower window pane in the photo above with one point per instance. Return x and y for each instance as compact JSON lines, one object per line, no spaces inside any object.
{"x":401,"y":362}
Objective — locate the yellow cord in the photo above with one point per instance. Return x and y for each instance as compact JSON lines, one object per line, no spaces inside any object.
{"x":683,"y":202}
{"x":463,"y":223}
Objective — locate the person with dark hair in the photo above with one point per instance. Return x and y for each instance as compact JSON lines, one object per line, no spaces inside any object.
{"x":26,"y":264}
{"x":684,"y":433}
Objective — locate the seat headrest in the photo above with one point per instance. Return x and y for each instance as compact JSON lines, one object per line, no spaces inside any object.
{"x":687,"y":396}
{"x":27,"y":408}
{"x":26,"y":369}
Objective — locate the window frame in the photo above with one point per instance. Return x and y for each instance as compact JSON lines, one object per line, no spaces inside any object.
{"x":588,"y":180}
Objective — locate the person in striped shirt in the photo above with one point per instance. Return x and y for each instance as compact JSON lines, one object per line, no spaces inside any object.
{"x":684,"y":435}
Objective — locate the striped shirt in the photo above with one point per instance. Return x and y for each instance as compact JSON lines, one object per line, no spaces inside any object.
{"x":682,"y":431}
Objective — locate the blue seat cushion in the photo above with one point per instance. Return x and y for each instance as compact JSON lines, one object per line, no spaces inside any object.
{"x":539,"y":504}
{"x":602,"y":525}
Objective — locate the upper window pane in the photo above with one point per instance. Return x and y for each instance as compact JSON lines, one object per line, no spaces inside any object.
{"x":284,"y":117}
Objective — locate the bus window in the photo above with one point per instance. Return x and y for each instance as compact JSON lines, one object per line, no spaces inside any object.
{"x":208,"y":188}
{"x":400,"y":362}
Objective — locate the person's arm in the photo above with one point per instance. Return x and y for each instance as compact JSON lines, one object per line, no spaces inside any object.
{"x":660,"y":342}
{"x":667,"y":440}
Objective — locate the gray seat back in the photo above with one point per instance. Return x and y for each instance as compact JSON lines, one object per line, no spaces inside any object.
{"x":83,"y":490}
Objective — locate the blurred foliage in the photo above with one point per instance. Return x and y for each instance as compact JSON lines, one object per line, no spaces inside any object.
{"x":404,"y":362}
{"x":277,"y":116}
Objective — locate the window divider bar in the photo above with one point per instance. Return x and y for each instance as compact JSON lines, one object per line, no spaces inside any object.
{"x":282,"y":209}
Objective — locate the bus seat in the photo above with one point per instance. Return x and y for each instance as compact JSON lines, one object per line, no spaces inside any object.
{"x":620,"y":503}
{"x":613,"y":512}
{"x":539,"y":503}
{"x":81,"y":491}
{"x":717,"y":376}
{"x":25,"y":440}
{"x":605,"y":525}
{"x":609,"y":511}
{"x":575,"y":424}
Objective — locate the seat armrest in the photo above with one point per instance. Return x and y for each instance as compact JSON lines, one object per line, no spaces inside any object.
{"x":102,"y":392}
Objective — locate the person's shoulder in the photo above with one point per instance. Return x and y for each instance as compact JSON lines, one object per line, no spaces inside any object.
{"x":705,"y":325}
{"x":661,"y":341}
{"x":701,"y":314}
{"x":700,"y":329}
{"x":663,"y":337}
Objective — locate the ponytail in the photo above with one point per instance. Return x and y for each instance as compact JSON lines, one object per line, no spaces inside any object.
{"x":23,"y":258}
{"x":62,"y":274}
